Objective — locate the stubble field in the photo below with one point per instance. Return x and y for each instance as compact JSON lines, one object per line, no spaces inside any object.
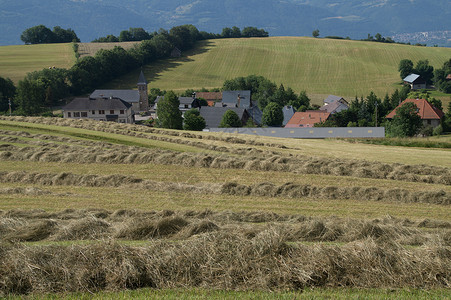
{"x":93,"y":207}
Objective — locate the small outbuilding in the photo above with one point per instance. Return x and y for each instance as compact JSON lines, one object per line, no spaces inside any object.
{"x":415,"y":81}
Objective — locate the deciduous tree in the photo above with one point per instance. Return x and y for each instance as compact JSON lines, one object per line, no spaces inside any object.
{"x":230,"y":119}
{"x":272,"y":115}
{"x":405,"y":68}
{"x":169,"y":115}
{"x":193,"y":120}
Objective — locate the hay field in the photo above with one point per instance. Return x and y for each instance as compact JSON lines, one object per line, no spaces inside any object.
{"x":17,"y":61}
{"x":319,"y":66}
{"x":95,"y":207}
{"x":90,"y":49}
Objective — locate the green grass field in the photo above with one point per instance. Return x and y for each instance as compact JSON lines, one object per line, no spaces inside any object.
{"x":17,"y":61}
{"x":319,"y":66}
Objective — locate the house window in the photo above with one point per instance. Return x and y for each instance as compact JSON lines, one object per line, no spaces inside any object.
{"x":429,"y":122}
{"x":93,"y":112}
{"x":186,"y":106}
{"x":101,"y":112}
{"x":69,"y":115}
{"x":111,"y":111}
{"x":84,"y":114}
{"x":76,"y":114}
{"x":121,"y":111}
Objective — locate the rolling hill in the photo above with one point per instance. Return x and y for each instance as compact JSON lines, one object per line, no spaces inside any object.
{"x":319,"y":66}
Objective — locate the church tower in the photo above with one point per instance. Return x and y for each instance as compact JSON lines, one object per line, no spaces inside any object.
{"x":142,"y":90}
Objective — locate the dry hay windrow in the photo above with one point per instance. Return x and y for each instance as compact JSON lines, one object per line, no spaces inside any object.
{"x":95,"y":224}
{"x":222,"y":260}
{"x":131,"y":129}
{"x":264,"y":189}
{"x":110,"y":153}
{"x":292,"y":190}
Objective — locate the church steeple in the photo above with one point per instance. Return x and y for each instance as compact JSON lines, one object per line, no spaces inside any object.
{"x":142,"y":89}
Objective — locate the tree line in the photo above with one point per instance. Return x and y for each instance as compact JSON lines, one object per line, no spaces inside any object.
{"x":43,"y":35}
{"x":427,"y":72}
{"x":139,"y":34}
{"x":40,"y":90}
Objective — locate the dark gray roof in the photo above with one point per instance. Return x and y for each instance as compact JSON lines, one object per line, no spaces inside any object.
{"x":288,"y":112}
{"x":131,"y":96}
{"x":213,"y":115}
{"x":256,"y":114}
{"x":332,"y":98}
{"x":186,"y":100}
{"x":231,"y":97}
{"x":97,"y":104}
{"x":142,"y":78}
{"x":332,"y":107}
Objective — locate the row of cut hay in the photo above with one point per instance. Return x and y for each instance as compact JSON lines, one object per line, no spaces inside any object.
{"x":20,"y":226}
{"x":219,"y":217}
{"x":265,"y":189}
{"x":39,"y":137}
{"x":130,"y":129}
{"x":135,"y":155}
{"x":309,"y":165}
{"x":23,"y":191}
{"x":221,"y":260}
{"x":115,"y":180}
{"x":334,"y":167}
{"x":292,"y":190}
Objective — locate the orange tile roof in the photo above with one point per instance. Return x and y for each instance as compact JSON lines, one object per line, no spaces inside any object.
{"x":307,"y":118}
{"x":425,"y":110}
{"x":209,"y":95}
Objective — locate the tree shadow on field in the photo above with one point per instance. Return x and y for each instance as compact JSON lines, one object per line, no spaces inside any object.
{"x":153,"y":71}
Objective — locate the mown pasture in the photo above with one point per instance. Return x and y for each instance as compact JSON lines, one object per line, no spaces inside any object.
{"x":319,"y":66}
{"x":17,"y":61}
{"x":99,"y":207}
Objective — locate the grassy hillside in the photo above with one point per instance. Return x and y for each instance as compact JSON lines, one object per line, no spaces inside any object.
{"x":88,"y":206}
{"x":319,"y":66}
{"x":17,"y":61}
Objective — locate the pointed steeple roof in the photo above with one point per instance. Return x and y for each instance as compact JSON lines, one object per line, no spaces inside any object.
{"x":142,"y":78}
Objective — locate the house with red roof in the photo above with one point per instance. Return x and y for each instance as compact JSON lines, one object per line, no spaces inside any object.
{"x":429,"y":114}
{"x":307,"y":119}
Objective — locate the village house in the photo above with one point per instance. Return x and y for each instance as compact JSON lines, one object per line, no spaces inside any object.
{"x":236,"y":99}
{"x":430,"y":115}
{"x":288,"y":112}
{"x":415,"y":81}
{"x":213,"y":115}
{"x":176,"y":52}
{"x":210,"y":97}
{"x":334,"y":104}
{"x":137,"y":98}
{"x":307,"y":119}
{"x":100,"y":109}
{"x":186,"y":103}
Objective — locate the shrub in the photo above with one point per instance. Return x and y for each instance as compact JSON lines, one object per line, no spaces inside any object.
{"x":426,"y":130}
{"x":437,"y":130}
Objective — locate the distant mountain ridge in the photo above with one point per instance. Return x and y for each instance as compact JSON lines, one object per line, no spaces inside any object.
{"x":94,"y":18}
